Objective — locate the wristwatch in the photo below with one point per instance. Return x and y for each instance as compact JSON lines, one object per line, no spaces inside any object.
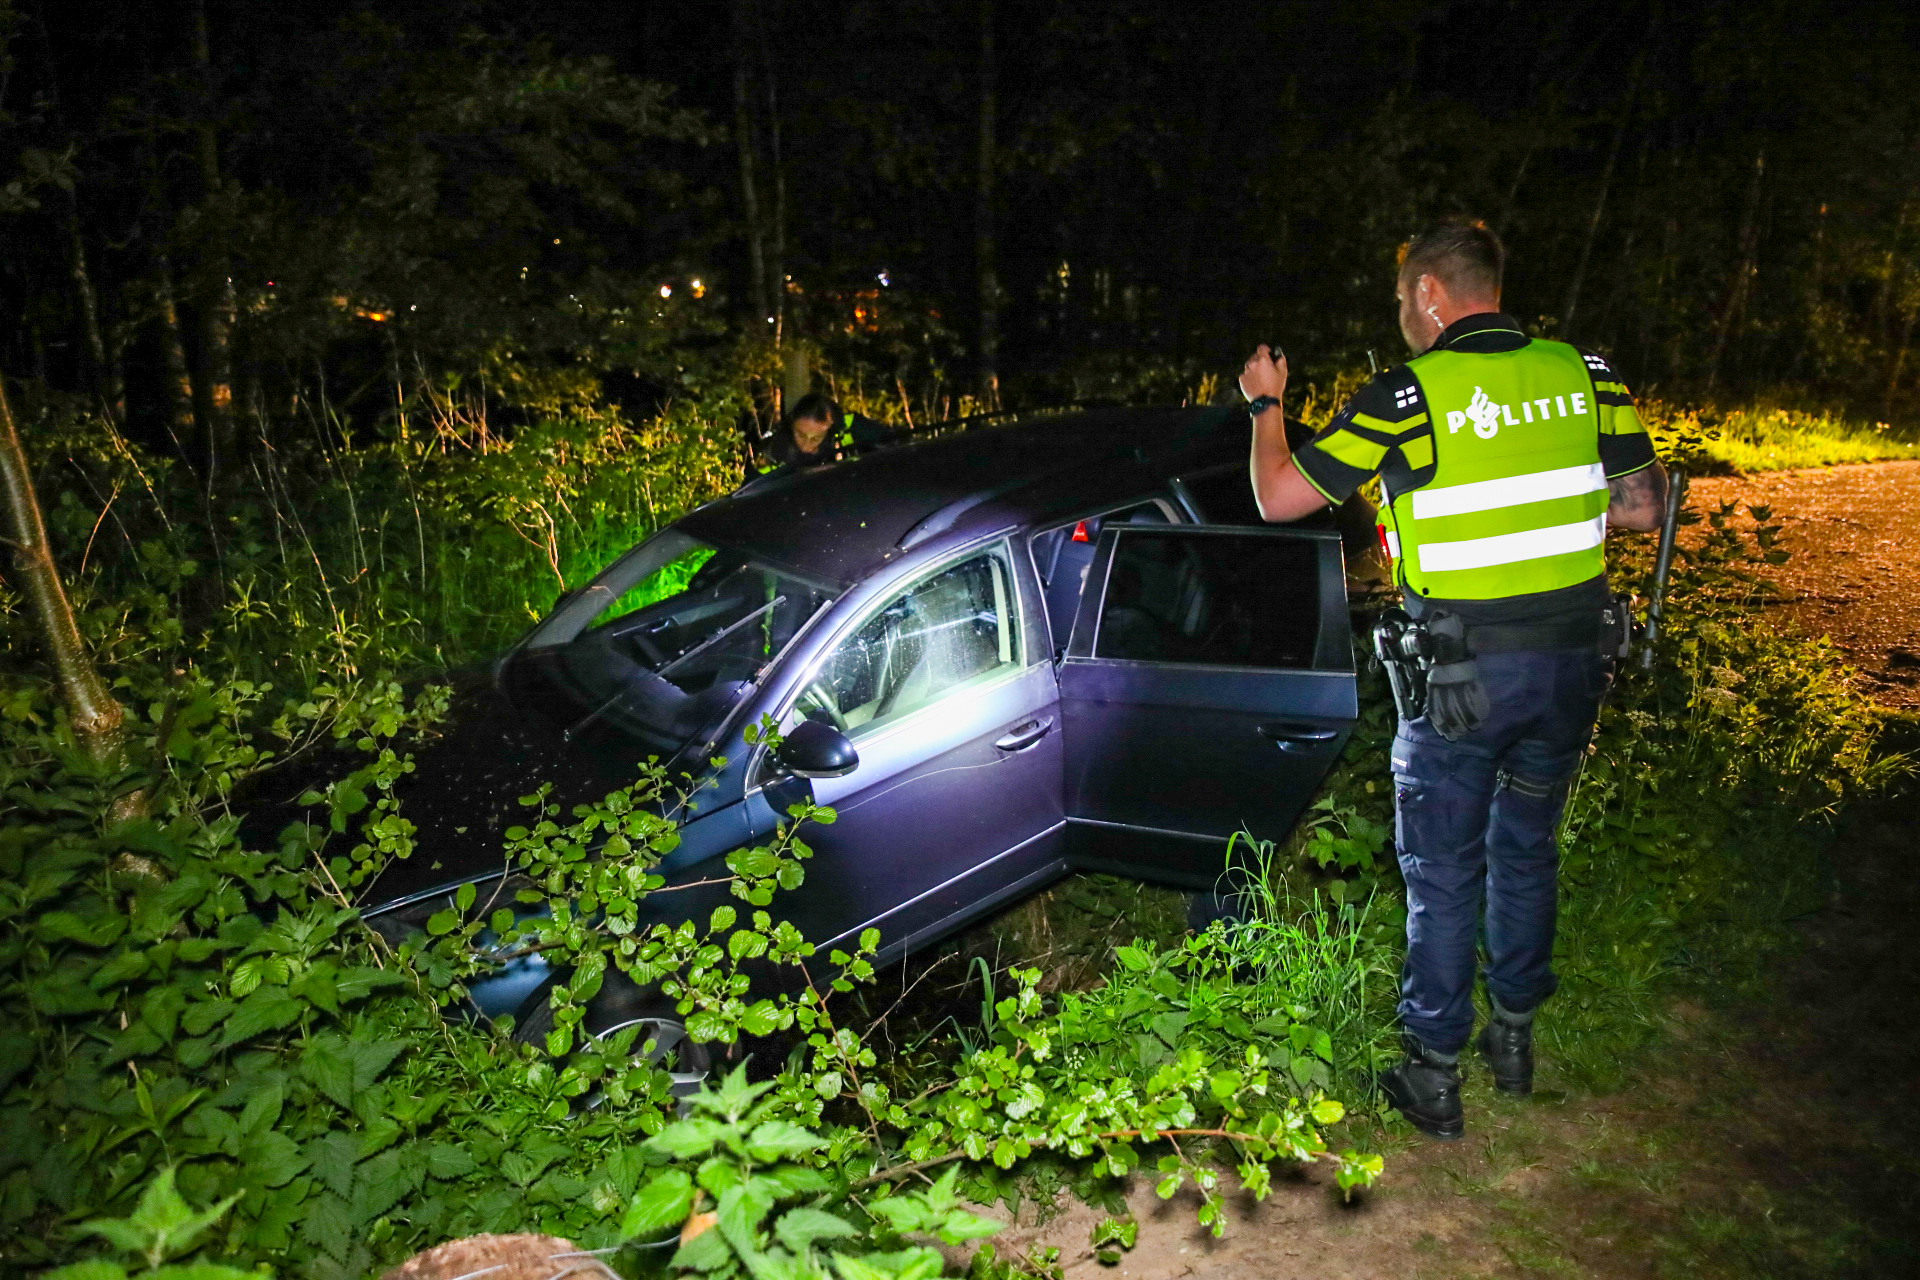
{"x":1260,"y":404}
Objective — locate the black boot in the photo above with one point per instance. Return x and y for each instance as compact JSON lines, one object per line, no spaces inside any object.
{"x":1426,"y":1091}
{"x":1507,"y":1044}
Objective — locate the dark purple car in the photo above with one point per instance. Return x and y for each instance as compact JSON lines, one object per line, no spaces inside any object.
{"x":1021,"y":651}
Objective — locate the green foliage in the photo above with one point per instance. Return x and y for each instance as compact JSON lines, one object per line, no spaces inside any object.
{"x":1756,"y":439}
{"x":213,"y":1022}
{"x":754,"y":1168}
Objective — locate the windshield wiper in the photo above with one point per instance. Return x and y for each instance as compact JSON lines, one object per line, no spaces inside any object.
{"x":722,"y":634}
{"x":591,"y":716}
{"x":661,"y":674}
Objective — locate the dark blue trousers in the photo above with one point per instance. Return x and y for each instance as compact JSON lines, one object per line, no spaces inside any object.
{"x":1475,"y":824}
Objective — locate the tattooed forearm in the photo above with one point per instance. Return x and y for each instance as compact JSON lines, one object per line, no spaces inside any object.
{"x":1638,"y":501}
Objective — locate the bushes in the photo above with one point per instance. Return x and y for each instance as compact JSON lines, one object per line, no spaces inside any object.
{"x":184,"y":1007}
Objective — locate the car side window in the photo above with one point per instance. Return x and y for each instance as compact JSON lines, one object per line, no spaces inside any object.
{"x":1061,"y":557}
{"x":954,"y":630}
{"x":1240,"y":602}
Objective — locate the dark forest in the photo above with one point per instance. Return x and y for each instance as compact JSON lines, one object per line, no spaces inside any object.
{"x":1054,"y":201}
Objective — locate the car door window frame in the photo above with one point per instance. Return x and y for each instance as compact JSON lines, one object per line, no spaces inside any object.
{"x":1173,"y":508}
{"x":1017,"y":612}
{"x":1333,"y":646}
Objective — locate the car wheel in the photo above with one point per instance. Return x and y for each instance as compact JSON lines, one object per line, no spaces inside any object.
{"x":661,"y":1041}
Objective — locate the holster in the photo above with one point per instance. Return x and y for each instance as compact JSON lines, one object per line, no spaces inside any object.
{"x":1617,"y":627}
{"x":1405,"y":650}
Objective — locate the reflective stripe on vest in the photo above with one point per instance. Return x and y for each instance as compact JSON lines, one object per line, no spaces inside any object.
{"x":1518,"y":499}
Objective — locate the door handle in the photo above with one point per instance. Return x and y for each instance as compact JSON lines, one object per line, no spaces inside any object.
{"x":1297,"y":737}
{"x":1025,"y":735}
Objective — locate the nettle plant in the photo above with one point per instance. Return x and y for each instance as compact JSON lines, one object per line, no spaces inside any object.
{"x":183,"y":1006}
{"x":1155,"y":1062}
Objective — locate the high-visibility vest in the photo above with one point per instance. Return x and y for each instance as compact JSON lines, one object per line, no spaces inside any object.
{"x":1518,"y":499}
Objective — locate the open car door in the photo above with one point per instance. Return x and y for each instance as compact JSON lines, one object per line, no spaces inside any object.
{"x":1207,"y":689}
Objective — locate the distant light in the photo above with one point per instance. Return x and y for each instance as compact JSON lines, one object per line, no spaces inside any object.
{"x":556,"y":239}
{"x":884,"y":281}
{"x":699,"y":289}
{"x":769,"y":319}
{"x":666,"y":291}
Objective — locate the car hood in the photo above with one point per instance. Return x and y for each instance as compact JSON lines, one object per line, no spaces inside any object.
{"x":467,"y":781}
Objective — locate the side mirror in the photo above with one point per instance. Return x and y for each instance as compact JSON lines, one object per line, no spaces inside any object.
{"x":815,"y":750}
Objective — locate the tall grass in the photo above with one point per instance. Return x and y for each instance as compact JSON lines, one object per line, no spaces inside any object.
{"x":1771,"y":439}
{"x":318,"y":555}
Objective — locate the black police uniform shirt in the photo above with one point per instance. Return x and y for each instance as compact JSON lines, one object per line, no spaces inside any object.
{"x":781,"y":449}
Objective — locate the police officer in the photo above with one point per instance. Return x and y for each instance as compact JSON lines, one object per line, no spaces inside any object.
{"x":821,"y":431}
{"x":1502,"y":460}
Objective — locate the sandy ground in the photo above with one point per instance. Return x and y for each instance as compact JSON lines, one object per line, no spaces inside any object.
{"x":1854,"y":535}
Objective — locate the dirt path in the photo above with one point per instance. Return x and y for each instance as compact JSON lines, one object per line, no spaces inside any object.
{"x":1774,"y":1135}
{"x":1854,"y":532}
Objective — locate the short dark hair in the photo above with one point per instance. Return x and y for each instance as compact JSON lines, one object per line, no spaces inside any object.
{"x":1463,"y":252}
{"x":814,"y":407}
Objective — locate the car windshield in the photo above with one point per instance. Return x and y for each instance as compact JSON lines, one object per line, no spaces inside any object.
{"x":667,"y":639}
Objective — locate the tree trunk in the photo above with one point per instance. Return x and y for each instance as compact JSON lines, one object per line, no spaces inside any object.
{"x":105,"y":378}
{"x":777,"y":230}
{"x":173,"y":347}
{"x":1623,"y":279}
{"x":1513,"y":191}
{"x":749,"y":188}
{"x":1202,"y":199}
{"x":99,"y":723}
{"x":219,"y":311}
{"x":1816,"y":282}
{"x":1743,"y":272}
{"x":1568,"y":312}
{"x":1909,"y":310}
{"x":105,"y":367}
{"x":983,"y":231}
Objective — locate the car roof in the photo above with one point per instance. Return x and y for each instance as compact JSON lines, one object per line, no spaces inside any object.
{"x":838,"y":523}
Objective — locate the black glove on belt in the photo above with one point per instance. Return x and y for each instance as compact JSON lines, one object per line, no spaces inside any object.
{"x":1456,"y":700}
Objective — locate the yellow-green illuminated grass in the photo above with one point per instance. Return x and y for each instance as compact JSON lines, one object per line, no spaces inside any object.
{"x":1771,"y":439}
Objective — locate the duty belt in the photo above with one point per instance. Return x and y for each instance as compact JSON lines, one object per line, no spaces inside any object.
{"x":1407,"y":651}
{"x":1568,"y":633}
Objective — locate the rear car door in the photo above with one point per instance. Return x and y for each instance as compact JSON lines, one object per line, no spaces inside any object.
{"x":1207,"y":689}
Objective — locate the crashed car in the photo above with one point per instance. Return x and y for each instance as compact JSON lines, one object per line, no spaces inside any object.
{"x":1000,"y":656}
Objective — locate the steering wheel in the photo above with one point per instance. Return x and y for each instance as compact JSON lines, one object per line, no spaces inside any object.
{"x":824,"y":699}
